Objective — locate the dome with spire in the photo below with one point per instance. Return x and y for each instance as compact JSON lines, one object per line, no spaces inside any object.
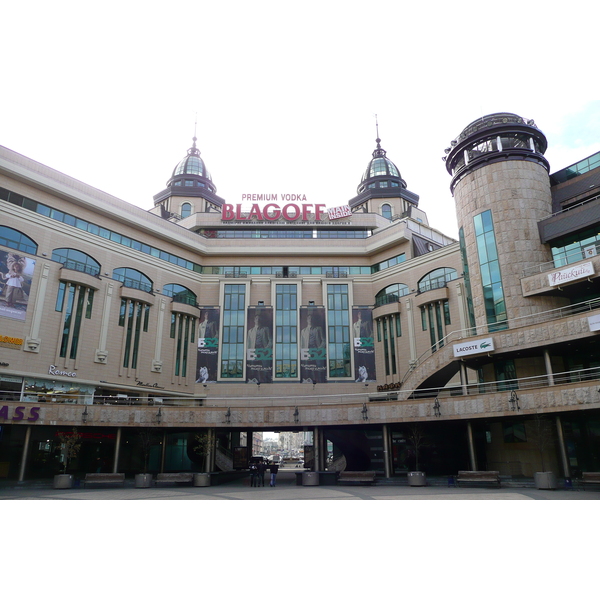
{"x":192,"y":172}
{"x":381,"y":172}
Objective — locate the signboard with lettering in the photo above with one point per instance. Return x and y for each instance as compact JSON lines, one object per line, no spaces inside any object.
{"x":573,"y":273}
{"x":594,"y":323}
{"x":364,"y":347}
{"x":16,"y":275}
{"x":313,"y":350}
{"x":7,"y":341}
{"x":259,"y":345}
{"x":474,"y":347}
{"x":274,"y":212}
{"x":339,"y":212}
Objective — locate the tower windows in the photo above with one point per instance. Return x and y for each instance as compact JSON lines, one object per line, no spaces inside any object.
{"x":491,"y":280}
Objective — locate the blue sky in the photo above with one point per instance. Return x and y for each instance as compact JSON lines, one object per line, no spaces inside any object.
{"x":285,"y":94}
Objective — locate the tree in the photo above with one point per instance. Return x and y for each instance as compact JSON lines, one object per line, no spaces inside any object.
{"x":542,"y":436}
{"x":204,"y":444}
{"x":147,"y":437}
{"x":70,"y":445}
{"x":417,"y":438}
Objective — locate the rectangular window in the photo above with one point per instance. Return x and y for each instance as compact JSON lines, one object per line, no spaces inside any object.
{"x":77,"y":306}
{"x":493,"y":294}
{"x":286,"y":331}
{"x":392,"y":346}
{"x":398,"y":325}
{"x":386,"y":352}
{"x":234,"y":322}
{"x":338,"y":322}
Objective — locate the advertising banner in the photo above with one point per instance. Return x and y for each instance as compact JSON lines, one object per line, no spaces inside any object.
{"x":259,"y":345}
{"x":207,"y":364}
{"x":16,"y":274}
{"x":364,"y":346}
{"x":313,"y":349}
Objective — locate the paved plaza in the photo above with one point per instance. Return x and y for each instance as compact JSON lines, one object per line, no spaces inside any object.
{"x":286,"y":489}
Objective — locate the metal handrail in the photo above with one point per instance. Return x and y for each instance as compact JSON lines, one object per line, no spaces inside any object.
{"x":510,"y":324}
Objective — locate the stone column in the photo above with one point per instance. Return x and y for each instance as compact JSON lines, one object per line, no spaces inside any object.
{"x":548,"y":364}
{"x":24,"y":454}
{"x":563,"y":449}
{"x":163,"y":453}
{"x":117,"y":451}
{"x":33,"y":340}
{"x":411,"y":331}
{"x":463,"y":378}
{"x":472,"y":457}
{"x":316,"y":449}
{"x":388,"y":466}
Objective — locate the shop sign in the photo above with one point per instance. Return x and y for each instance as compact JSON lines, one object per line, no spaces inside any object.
{"x":7,"y":341}
{"x":151,"y":385}
{"x":339,"y":212}
{"x":10,"y":378}
{"x":19,"y":413}
{"x":594,"y":323}
{"x":571,"y":274}
{"x":273,"y":212}
{"x":476,"y":347}
{"x":52,"y":370}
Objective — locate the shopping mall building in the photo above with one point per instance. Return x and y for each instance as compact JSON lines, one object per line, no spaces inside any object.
{"x":351,"y":320}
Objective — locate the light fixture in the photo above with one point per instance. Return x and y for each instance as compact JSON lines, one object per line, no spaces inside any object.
{"x":365,"y":412}
{"x":514,"y":401}
{"x":436,"y":408}
{"x":159,"y":415}
{"x":84,"y":415}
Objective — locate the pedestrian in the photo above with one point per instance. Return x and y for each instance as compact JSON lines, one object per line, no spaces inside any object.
{"x":253,"y":475}
{"x":273,"y":468}
{"x":261,"y":473}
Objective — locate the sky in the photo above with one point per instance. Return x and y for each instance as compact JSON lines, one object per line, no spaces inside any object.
{"x":283,"y":96}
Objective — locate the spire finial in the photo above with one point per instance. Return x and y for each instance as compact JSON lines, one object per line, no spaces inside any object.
{"x":379,"y":151}
{"x":193,"y":150}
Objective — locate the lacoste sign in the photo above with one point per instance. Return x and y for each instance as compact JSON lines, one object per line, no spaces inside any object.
{"x":474,"y":347}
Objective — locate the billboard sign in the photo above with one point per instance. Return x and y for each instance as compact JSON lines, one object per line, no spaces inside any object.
{"x":207,"y":364}
{"x":259,"y":345}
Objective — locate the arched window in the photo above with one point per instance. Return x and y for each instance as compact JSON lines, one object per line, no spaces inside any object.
{"x":437,"y":279}
{"x":180,"y":293}
{"x":16,"y":240}
{"x":386,"y":211}
{"x":133,"y":278}
{"x":391,"y":293}
{"x":186,"y":210}
{"x":76,"y":260}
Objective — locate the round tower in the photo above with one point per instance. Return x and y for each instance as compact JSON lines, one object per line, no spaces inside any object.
{"x":501,"y":186}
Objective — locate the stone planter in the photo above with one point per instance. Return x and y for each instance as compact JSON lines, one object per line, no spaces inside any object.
{"x":416,"y":478}
{"x":63,"y":481}
{"x":143,"y":480}
{"x":545,"y":480}
{"x":201,"y":479}
{"x":310,"y":478}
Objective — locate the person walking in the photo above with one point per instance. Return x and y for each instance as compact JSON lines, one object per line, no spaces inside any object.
{"x":273,"y":468}
{"x":253,"y":475}
{"x":261,"y":473}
